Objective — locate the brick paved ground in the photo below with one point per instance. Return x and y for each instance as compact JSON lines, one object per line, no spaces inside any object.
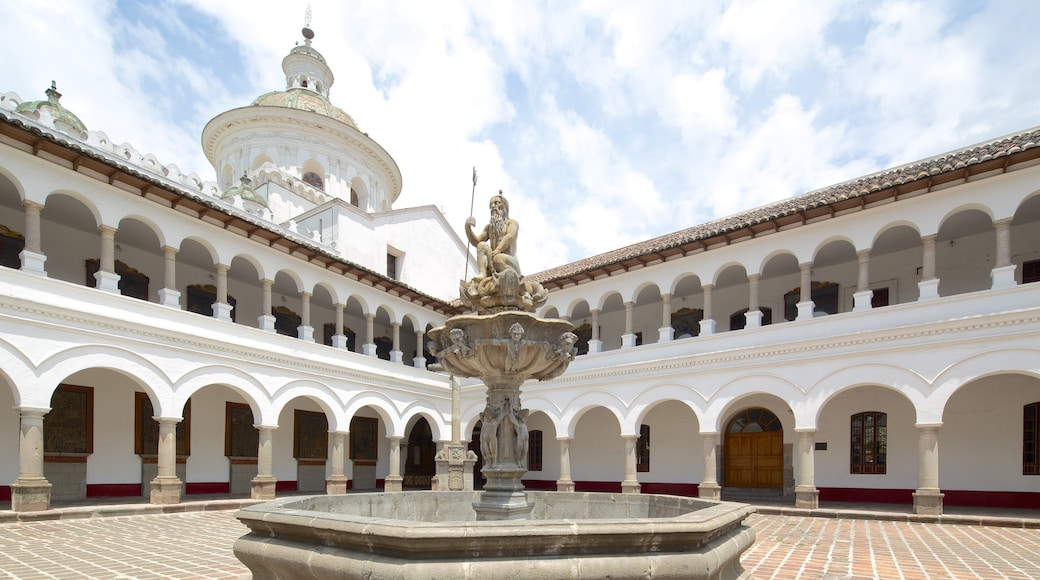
{"x":198,"y":545}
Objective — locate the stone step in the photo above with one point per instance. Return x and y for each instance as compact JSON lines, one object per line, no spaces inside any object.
{"x":752,"y":494}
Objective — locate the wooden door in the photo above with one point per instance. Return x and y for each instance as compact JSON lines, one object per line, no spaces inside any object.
{"x":754,"y":459}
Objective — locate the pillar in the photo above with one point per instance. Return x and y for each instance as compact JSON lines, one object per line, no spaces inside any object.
{"x":32,"y":256}
{"x":266,"y":319}
{"x":666,"y":333}
{"x":394,"y":481}
{"x":1003,"y":273}
{"x":30,"y":491}
{"x":709,"y":488}
{"x":263,"y":485}
{"x":631,"y":483}
{"x":168,"y":294}
{"x":753,"y":316}
{"x":305,"y":331}
{"x":805,"y":493}
{"x":419,"y":361}
{"x":336,"y":484}
{"x":166,"y":487}
{"x":565,"y":483}
{"x":861,"y":298}
{"x":369,"y":346}
{"x":107,"y":279}
{"x":396,"y":355}
{"x":628,"y":339}
{"x":221,"y":308}
{"x":805,"y":301}
{"x":928,"y":499}
{"x":929,"y":284}
{"x":595,"y":345}
{"x":708,"y":322}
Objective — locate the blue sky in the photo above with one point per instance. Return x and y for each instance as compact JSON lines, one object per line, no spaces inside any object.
{"x":605,"y":122}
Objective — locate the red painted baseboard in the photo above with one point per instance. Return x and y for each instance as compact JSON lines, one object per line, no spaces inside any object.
{"x":285,"y":486}
{"x":994,"y":499}
{"x":539,"y":484}
{"x":601,"y":486}
{"x":866,"y":495}
{"x":684,"y":489}
{"x":206,"y":487}
{"x":114,"y":490}
{"x":5,"y":493}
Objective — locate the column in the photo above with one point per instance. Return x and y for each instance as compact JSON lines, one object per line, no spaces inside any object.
{"x":753,"y":316}
{"x":168,"y":294}
{"x":861,"y":298}
{"x":666,"y":333}
{"x":805,"y":493}
{"x":928,"y":499}
{"x":565,"y":483}
{"x":305,"y":331}
{"x":595,"y":345}
{"x":394,"y":481}
{"x":263,"y":485}
{"x":631,"y":483}
{"x":710,"y":488}
{"x":31,"y":491}
{"x":396,"y":355}
{"x":32,"y":255}
{"x":369,"y":347}
{"x":805,"y":301}
{"x":628,"y":339}
{"x":221,"y":308}
{"x":166,"y":487}
{"x":336,"y":484}
{"x":708,"y":322}
{"x":1003,"y":273}
{"x":107,"y":279}
{"x":419,"y":361}
{"x":265,"y":319}
{"x":929,"y":284}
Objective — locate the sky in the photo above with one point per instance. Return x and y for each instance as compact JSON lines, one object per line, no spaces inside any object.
{"x":604,"y":122}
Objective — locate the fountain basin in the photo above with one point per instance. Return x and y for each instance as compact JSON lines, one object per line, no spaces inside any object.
{"x":435,"y":535}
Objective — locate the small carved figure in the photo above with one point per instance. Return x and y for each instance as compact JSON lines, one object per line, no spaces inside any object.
{"x":564,"y":349}
{"x":516,"y":337}
{"x":490,"y":419}
{"x":458,"y":343}
{"x":496,"y":243}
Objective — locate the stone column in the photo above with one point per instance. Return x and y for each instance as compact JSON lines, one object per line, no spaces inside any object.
{"x":263,"y":485}
{"x":419,"y":361}
{"x":565,"y":483}
{"x":708,"y":321}
{"x":369,"y":346}
{"x":168,"y":294}
{"x":107,"y":279}
{"x":631,"y":482}
{"x":395,"y":353}
{"x":266,"y":320}
{"x":595,"y":345}
{"x":394,"y":481}
{"x":628,"y":339}
{"x":928,"y":499}
{"x":805,"y":301}
{"x":805,"y":493}
{"x":710,"y":488}
{"x":753,"y":316}
{"x":1003,"y":273}
{"x":861,"y":298}
{"x":336,"y":484}
{"x":929,"y":284}
{"x":305,"y":331}
{"x":32,"y":255}
{"x":221,"y":308}
{"x":339,"y":339}
{"x":166,"y":487}
{"x":666,"y":333}
{"x":31,"y":491}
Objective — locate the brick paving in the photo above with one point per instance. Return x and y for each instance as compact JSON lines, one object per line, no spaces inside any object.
{"x":198,"y":544}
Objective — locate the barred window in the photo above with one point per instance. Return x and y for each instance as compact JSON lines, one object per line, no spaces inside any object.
{"x":869,"y":443}
{"x":643,"y":449}
{"x":534,"y":451}
{"x":1031,"y":439}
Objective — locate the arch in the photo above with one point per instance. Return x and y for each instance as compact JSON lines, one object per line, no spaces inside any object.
{"x":58,"y":196}
{"x":322,"y":394}
{"x":249,"y":387}
{"x":15,"y":183}
{"x":259,"y":160}
{"x":638,"y":292}
{"x":146,"y":374}
{"x":413,"y":411}
{"x":660,"y":394}
{"x":894,"y":226}
{"x":907,"y":383}
{"x":587,"y":401}
{"x":776,"y":256}
{"x":358,"y":193}
{"x":608,"y":296}
{"x":1025,"y":361}
{"x":148,"y":224}
{"x":313,"y":173}
{"x":731,"y":395}
{"x":382,"y":406}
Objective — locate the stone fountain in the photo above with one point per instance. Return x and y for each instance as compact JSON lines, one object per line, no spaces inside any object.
{"x":502,"y":532}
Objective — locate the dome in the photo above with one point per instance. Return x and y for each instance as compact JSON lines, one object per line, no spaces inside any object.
{"x":304,"y":100}
{"x":59,"y":113}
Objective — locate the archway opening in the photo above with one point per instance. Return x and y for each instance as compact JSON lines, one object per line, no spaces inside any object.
{"x":754,"y":450}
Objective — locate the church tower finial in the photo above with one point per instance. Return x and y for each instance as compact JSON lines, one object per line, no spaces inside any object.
{"x":308,"y":34}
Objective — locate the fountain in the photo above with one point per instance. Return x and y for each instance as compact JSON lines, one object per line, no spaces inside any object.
{"x":503,"y":531}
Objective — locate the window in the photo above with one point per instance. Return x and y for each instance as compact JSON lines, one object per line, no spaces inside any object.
{"x":364,"y":447}
{"x":314,"y":180}
{"x":1031,"y":439}
{"x":131,"y":282}
{"x":869,"y":443}
{"x":310,"y":435}
{"x":391,"y":266}
{"x":823,"y":294}
{"x":534,"y":451}
{"x":201,"y":299}
{"x":241,"y":438}
{"x":354,"y":201}
{"x":146,"y":429}
{"x":737,"y":320}
{"x":11,"y":245}
{"x":69,"y":426}
{"x":880,"y":298}
{"x":643,"y":449}
{"x":286,"y":322}
{"x":584,"y":334}
{"x":1031,"y":271}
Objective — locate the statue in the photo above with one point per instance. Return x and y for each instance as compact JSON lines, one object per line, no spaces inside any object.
{"x":490,"y":419}
{"x":499,"y":284}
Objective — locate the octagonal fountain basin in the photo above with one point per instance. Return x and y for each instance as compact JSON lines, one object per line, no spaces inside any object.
{"x":428,"y":534}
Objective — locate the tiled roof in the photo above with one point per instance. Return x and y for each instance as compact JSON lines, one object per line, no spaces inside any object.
{"x":997,"y":154}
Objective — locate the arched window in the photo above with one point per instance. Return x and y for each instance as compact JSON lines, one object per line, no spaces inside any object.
{"x":354,"y":198}
{"x":755,"y":421}
{"x":314,"y":180}
{"x":869,"y":443}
